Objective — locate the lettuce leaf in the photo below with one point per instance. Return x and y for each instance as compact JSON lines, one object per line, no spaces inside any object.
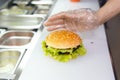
{"x":63,"y":55}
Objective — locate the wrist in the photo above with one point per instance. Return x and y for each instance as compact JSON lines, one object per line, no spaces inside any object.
{"x":109,"y":10}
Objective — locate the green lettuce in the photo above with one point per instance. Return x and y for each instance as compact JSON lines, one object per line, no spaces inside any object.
{"x":63,"y":55}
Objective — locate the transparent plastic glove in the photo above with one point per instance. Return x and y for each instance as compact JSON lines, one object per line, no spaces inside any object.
{"x":75,"y":20}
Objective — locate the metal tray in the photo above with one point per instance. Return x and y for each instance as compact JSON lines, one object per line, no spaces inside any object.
{"x":30,"y":8}
{"x":42,"y":11}
{"x":44,"y":7}
{"x":21,"y":21}
{"x":43,"y":4}
{"x":16,"y":38}
{"x":21,"y":1}
{"x":18,"y":9}
{"x":14,"y":10}
{"x":9,"y":61}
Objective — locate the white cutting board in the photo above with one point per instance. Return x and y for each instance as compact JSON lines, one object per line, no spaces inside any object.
{"x":95,"y":65}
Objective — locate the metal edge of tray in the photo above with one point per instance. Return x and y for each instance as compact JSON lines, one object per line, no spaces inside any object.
{"x":19,"y":1}
{"x":42,"y":2}
{"x":15,"y":47}
{"x":24,"y":27}
{"x":49,"y":12}
{"x":12,"y":74}
{"x":26,"y":57}
{"x":26,"y":11}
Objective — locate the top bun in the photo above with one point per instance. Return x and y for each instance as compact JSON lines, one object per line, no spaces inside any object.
{"x":63,"y":39}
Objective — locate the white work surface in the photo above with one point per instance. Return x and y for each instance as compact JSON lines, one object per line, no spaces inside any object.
{"x":95,"y":65}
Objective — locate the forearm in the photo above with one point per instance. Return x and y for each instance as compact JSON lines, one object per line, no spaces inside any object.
{"x":109,"y":10}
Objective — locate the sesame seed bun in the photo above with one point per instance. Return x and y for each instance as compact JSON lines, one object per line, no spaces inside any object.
{"x":63,"y":39}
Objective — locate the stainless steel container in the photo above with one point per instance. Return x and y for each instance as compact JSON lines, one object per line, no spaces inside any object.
{"x":18,"y":9}
{"x":43,"y":7}
{"x":16,"y":39}
{"x":43,"y":4}
{"x":14,"y":10}
{"x":21,"y":1}
{"x":9,"y":61}
{"x":21,"y":21}
{"x":20,"y":35}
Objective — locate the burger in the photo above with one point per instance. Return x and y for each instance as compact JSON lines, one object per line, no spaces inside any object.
{"x":63,"y":45}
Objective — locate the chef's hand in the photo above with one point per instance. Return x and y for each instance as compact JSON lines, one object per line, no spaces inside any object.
{"x":75,"y":20}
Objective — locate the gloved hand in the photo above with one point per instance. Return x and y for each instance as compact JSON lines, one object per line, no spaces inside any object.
{"x":75,"y":20}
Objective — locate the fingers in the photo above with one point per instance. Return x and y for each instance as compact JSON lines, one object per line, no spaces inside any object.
{"x":60,"y":15}
{"x":55,"y":27}
{"x":57,"y":19}
{"x":56,"y":22}
{"x":75,"y":20}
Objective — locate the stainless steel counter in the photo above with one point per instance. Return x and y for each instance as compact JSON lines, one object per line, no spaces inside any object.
{"x":20,"y":28}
